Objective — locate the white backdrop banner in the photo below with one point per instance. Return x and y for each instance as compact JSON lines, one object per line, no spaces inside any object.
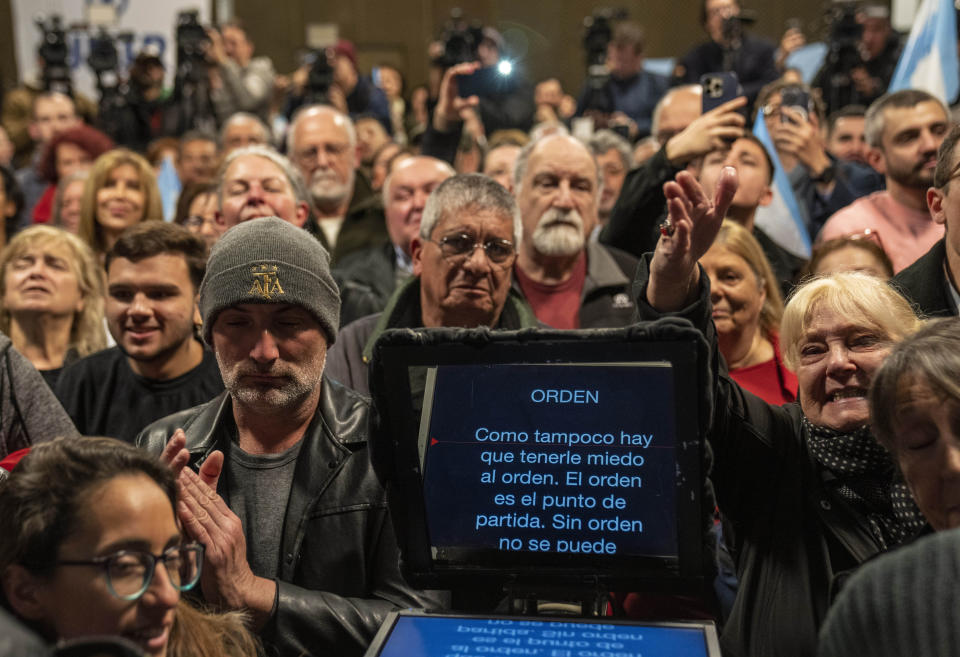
{"x":151,"y":22}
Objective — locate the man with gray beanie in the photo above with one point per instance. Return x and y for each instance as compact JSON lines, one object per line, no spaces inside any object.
{"x":284,"y":497}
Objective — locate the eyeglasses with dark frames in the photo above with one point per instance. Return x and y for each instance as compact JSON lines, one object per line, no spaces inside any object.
{"x":130,"y":572}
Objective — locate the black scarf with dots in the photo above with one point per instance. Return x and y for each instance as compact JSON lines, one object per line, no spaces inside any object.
{"x":869,"y":481}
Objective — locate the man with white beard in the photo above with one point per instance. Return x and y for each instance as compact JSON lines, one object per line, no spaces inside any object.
{"x":570,"y":282}
{"x":322,"y":143}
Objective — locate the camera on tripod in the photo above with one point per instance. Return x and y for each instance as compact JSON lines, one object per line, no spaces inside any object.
{"x":53,"y":51}
{"x":845,"y":34}
{"x":192,"y":43}
{"x":461,"y":40}
{"x":597,"y":33}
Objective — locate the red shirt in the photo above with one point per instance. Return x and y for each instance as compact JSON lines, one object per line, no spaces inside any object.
{"x":771,"y":381}
{"x":43,"y":210}
{"x":557,"y":306}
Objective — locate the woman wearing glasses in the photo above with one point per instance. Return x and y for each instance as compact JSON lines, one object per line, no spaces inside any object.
{"x":197,"y":210}
{"x":91,"y":546}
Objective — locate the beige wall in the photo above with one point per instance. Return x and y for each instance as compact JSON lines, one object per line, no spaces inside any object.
{"x":550,"y":31}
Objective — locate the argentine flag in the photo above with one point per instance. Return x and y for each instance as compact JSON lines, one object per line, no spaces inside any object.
{"x":781,"y":220}
{"x":929,"y":60}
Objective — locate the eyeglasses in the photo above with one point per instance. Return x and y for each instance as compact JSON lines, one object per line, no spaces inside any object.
{"x":196,"y":221}
{"x":130,"y":572}
{"x":312,"y":154}
{"x":460,"y":246}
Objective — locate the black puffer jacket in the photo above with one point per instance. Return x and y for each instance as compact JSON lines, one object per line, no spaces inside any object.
{"x":339,"y":570}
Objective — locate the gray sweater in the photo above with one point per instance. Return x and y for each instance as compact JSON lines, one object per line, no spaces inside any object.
{"x":29,"y":413}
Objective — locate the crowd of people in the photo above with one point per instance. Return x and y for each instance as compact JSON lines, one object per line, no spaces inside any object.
{"x":188,"y":322}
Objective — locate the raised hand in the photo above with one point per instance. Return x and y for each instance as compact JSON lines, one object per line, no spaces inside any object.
{"x":708,"y":132}
{"x":449,"y":102}
{"x":693,"y":222}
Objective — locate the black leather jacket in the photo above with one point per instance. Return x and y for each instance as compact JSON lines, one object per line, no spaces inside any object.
{"x":339,"y":570}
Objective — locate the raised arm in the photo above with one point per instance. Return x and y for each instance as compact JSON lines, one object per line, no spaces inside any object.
{"x":693,"y":221}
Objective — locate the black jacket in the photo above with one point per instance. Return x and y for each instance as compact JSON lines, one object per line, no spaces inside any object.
{"x":366,"y":280}
{"x":635,"y":219}
{"x":924,"y":283}
{"x":348,"y":360}
{"x":753,"y":63}
{"x":363,"y":227}
{"x":339,"y":570}
{"x":793,"y":532}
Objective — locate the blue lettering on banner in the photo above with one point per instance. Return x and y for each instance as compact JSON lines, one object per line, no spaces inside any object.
{"x":564,"y":396}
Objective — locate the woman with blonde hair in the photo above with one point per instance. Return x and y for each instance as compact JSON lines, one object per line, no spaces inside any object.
{"x":746,"y":311}
{"x":805,"y":487}
{"x":91,"y":546}
{"x":52,"y":304}
{"x":120,"y":192}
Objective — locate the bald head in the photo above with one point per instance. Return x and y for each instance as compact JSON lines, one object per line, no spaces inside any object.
{"x":558,"y":186}
{"x":405,"y":194}
{"x":676,"y":110}
{"x":323,"y":144}
{"x":241,"y":130}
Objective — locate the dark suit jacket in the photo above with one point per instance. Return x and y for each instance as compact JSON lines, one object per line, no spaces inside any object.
{"x":924,"y":284}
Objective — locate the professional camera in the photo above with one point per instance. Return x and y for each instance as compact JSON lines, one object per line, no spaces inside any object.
{"x":843,"y":54}
{"x":190,"y":106}
{"x":53,"y":51}
{"x":461,"y":39}
{"x":845,"y":35}
{"x":597,"y":33}
{"x":192,"y":42}
{"x":320,"y":77}
{"x":103,"y":60}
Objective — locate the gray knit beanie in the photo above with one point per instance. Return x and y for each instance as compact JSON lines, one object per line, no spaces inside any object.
{"x":269,"y":260}
{"x":903,"y":603}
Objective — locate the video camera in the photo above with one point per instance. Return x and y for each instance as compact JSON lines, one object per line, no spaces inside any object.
{"x":845,"y":34}
{"x":190,"y":106}
{"x":53,"y":51}
{"x":843,"y":54}
{"x":192,"y":42}
{"x":598,"y":31}
{"x":461,"y":40}
{"x":103,"y":60}
{"x":320,"y":77}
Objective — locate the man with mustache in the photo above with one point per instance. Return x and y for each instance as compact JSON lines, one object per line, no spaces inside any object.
{"x":904,"y":130}
{"x":286,"y":501}
{"x":570,"y":282}
{"x":322,"y":142}
{"x":462,"y":253}
{"x":159,"y":365}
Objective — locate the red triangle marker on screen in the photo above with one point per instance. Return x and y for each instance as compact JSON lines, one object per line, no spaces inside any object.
{"x":433,"y":441}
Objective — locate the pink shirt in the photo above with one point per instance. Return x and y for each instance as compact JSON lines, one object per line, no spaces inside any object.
{"x":906,"y":233}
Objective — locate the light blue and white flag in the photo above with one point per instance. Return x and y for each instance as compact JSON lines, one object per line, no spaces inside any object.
{"x":929,"y":60}
{"x":169,"y":184}
{"x":782,"y":220}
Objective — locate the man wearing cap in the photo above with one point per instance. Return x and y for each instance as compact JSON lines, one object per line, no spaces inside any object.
{"x":286,"y":502}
